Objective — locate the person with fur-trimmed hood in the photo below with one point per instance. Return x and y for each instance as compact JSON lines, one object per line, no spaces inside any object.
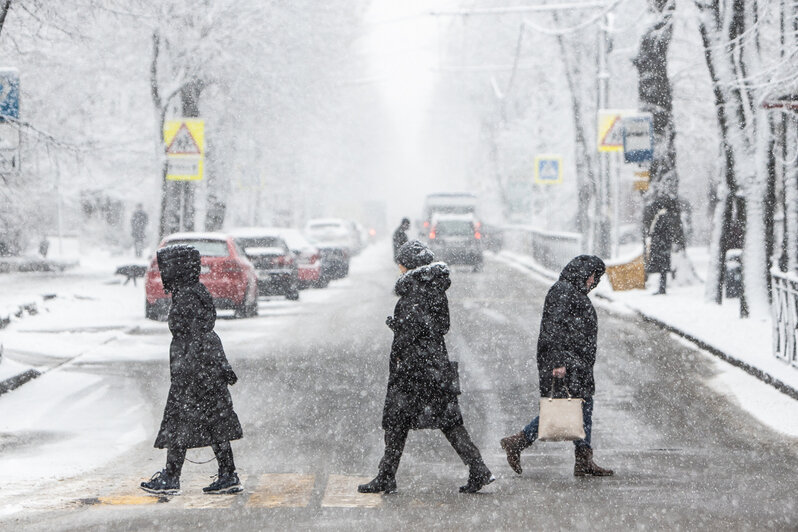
{"x":567,"y":351}
{"x":199,"y":410}
{"x":422,"y":381}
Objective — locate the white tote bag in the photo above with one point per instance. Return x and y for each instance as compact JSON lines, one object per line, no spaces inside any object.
{"x":561,"y":419}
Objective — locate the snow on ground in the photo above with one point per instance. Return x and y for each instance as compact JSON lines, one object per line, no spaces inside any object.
{"x":719,"y":326}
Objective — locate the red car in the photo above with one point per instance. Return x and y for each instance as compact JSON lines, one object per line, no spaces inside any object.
{"x":308,"y":258}
{"x":226,"y":272}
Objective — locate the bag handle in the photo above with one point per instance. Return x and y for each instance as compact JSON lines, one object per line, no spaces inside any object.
{"x":551,"y":391}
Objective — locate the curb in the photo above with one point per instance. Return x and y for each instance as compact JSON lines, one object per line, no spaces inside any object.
{"x":12,"y":383}
{"x":765,"y":377}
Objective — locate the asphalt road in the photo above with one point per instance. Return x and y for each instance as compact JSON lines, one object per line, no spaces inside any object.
{"x":310,"y":400}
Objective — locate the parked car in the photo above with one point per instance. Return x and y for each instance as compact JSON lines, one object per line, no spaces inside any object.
{"x":225,"y":271}
{"x":274,"y":262}
{"x":307,"y":258}
{"x":335,"y":240}
{"x":456,"y":239}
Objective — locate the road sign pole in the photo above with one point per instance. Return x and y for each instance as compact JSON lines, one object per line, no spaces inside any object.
{"x":601,"y":242}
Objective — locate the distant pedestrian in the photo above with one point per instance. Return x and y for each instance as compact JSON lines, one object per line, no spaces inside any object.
{"x":422,"y":381}
{"x":663,"y":231}
{"x":138,"y":228}
{"x":400,"y":237}
{"x":567,"y":350}
{"x":199,"y":410}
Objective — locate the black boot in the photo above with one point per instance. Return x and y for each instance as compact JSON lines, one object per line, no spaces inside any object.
{"x":584,"y":466}
{"x":478,"y":476}
{"x":380,"y":484}
{"x":162,"y":483}
{"x":513,"y":445}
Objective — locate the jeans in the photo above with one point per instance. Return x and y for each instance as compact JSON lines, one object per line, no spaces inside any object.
{"x":531,"y":430}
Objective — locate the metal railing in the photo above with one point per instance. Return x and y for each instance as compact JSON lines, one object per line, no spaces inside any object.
{"x":785,"y":316}
{"x":550,"y":249}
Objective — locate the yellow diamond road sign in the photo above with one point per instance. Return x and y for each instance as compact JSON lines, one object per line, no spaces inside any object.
{"x":185,"y":148}
{"x":610,"y":128}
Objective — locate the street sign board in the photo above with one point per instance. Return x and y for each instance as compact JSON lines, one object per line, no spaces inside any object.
{"x":9,"y":94}
{"x":184,"y":141}
{"x":610,"y":128}
{"x":548,"y":169}
{"x":638,"y":138}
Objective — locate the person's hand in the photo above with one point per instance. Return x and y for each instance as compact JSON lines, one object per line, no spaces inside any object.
{"x":558,"y":372}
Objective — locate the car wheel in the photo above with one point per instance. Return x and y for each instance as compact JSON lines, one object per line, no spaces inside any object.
{"x":292,"y":294}
{"x":323,"y":282}
{"x":478,"y":267}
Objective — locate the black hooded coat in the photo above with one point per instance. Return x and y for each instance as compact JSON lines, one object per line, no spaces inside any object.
{"x":569,"y":329}
{"x":199,"y":410}
{"x":420,"y":392}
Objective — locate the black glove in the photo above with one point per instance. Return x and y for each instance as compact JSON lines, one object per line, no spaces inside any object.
{"x":230,"y":377}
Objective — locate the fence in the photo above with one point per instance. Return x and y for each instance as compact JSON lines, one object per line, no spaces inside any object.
{"x":550,"y":249}
{"x":785,"y":316}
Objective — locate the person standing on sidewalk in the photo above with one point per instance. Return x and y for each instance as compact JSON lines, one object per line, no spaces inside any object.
{"x":400,"y":237}
{"x":199,"y":410}
{"x":138,"y":228}
{"x":567,"y":350}
{"x":422,"y":381}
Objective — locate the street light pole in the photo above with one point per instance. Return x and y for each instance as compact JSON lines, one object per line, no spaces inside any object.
{"x":602,"y":236}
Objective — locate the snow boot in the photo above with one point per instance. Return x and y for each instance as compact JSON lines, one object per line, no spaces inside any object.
{"x":584,"y":465}
{"x":162,"y":484}
{"x":381,"y":483}
{"x":224,"y":484}
{"x":513,"y":445}
{"x":478,"y":476}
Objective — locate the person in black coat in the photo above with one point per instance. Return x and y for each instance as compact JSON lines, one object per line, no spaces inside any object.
{"x":422,"y":381}
{"x":199,"y":410}
{"x":400,"y":237}
{"x":566,"y":353}
{"x":664,"y":230}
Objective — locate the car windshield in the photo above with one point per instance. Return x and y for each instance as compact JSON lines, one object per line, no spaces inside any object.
{"x":206,"y":248}
{"x":261,"y":242}
{"x":454,"y":228}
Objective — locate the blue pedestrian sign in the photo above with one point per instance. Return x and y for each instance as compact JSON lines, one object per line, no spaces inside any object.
{"x":548,"y":169}
{"x":9,"y":94}
{"x":638,"y":139}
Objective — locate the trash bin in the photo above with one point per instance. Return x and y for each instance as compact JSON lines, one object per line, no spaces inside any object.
{"x":734,"y":273}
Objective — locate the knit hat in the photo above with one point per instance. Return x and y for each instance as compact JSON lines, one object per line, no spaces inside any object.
{"x":414,"y":254}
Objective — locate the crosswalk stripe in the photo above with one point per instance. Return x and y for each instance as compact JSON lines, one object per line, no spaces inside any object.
{"x":282,"y":490}
{"x":123,"y":500}
{"x":193,"y":497}
{"x":342,"y":492}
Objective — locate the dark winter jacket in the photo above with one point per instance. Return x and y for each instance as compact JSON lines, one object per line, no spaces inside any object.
{"x":665,"y":230}
{"x":199,"y":410}
{"x":399,"y":239}
{"x":420,"y":392}
{"x":569,"y":328}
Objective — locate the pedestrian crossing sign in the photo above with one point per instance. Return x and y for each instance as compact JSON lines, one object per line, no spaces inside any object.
{"x":184,"y":141}
{"x":548,"y":169}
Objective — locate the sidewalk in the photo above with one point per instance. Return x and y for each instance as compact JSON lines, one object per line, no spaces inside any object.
{"x":717,"y":329}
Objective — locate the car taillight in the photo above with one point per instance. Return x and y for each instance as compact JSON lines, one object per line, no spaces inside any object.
{"x":432,"y":235}
{"x":426,"y":224}
{"x":477,"y":235}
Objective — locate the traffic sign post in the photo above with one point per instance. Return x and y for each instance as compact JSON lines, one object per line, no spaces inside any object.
{"x":548,"y":169}
{"x":185,"y":149}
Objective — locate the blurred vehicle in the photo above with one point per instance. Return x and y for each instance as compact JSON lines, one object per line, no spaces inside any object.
{"x":273,"y":260}
{"x":225,"y":271}
{"x":456,"y":239}
{"x":461,"y":203}
{"x":334,"y":240}
{"x":307,"y":258}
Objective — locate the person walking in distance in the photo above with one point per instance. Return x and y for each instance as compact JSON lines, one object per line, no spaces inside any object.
{"x":199,"y":410}
{"x":422,"y":381}
{"x":138,"y":228}
{"x":400,"y":237}
{"x":663,"y":231}
{"x":567,"y":350}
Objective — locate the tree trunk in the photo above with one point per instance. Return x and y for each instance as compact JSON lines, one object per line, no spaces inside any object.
{"x":6,"y":5}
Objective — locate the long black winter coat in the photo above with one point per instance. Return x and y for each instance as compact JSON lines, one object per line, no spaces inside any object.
{"x":199,"y":410}
{"x":665,"y":230}
{"x":420,"y":395}
{"x":568,"y":330}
